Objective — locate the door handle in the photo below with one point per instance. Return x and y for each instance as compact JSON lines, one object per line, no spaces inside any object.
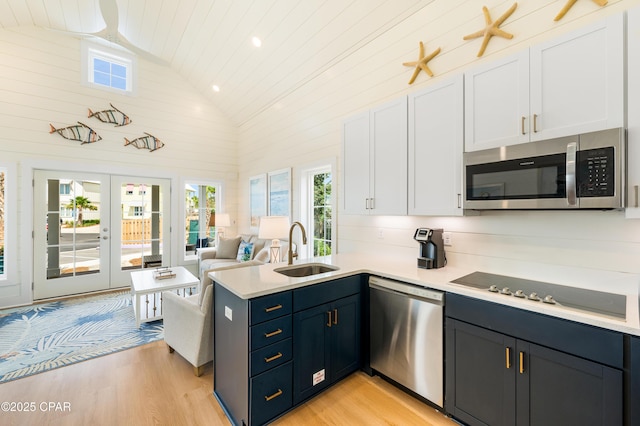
{"x":270,"y":397}
{"x":335,"y":317}
{"x":521,"y":362}
{"x":535,"y":123}
{"x":329,"y":319}
{"x":522,"y":125}
{"x":105,"y":237}
{"x":570,"y":166}
{"x":273,"y":358}
{"x":507,"y":354}
{"x":273,"y":333}
{"x":273,"y":308}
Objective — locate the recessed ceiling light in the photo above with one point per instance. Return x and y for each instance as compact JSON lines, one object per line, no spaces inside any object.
{"x":215,"y":88}
{"x":256,"y":42}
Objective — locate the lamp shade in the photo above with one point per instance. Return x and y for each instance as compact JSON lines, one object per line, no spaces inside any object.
{"x":273,"y":227}
{"x":222,"y":219}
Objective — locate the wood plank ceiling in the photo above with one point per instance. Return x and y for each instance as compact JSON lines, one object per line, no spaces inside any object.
{"x":209,"y":41}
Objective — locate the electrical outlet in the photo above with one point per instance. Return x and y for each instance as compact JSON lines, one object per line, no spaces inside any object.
{"x":447,"y":239}
{"x":380,"y":233}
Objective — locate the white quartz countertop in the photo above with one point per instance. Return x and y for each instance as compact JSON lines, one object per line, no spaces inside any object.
{"x":256,"y":281}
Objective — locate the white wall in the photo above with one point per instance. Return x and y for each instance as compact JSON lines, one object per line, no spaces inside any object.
{"x":40,"y":84}
{"x":305,"y":127}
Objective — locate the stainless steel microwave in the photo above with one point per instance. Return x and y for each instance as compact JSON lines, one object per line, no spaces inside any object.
{"x":586,"y":171}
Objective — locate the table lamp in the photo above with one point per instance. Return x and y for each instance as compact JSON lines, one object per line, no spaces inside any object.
{"x":221,"y":220}
{"x":274,"y":228}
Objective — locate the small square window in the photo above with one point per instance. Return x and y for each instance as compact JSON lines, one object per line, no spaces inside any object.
{"x":108,"y":68}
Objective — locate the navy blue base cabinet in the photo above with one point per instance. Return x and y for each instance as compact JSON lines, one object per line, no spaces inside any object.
{"x":275,"y":351}
{"x":511,"y":367}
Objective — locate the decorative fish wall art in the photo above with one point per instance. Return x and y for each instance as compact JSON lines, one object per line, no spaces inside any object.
{"x":79,"y":132}
{"x":111,"y":116}
{"x":149,"y":142}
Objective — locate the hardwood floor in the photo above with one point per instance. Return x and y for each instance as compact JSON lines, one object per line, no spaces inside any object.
{"x":149,"y":386}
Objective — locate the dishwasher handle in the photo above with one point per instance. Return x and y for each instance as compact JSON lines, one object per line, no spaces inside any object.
{"x":408,"y":290}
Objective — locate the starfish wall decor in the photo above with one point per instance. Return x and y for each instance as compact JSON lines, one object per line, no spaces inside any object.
{"x":421,"y":63}
{"x":492,"y":28}
{"x":570,"y":4}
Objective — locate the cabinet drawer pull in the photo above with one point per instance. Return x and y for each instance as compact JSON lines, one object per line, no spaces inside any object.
{"x":535,"y":123}
{"x":275,"y":395}
{"x":329,"y":319}
{"x":521,"y":362}
{"x":508,"y":356}
{"x":273,"y":358}
{"x":273,"y":333}
{"x":522,"y":125}
{"x":335,"y":317}
{"x":273,"y":308}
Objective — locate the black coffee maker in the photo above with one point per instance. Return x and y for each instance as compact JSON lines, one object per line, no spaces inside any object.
{"x":431,"y":248}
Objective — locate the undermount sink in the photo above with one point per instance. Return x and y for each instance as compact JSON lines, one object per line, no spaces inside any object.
{"x":306,"y":270}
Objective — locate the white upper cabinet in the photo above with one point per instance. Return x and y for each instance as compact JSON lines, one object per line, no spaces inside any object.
{"x":496,"y":98}
{"x":577,"y":81}
{"x":436,"y":120}
{"x":355,"y":159}
{"x":633,"y":112}
{"x":375,"y":161}
{"x":569,"y":85}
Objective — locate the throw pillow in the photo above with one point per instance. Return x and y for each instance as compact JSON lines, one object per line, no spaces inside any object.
{"x":245,"y":250}
{"x":227,"y":248}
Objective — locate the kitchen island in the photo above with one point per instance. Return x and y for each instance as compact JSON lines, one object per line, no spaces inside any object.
{"x":311,"y":304}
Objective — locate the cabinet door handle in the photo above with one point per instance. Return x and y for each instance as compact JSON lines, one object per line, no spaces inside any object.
{"x":329,"y":320}
{"x":273,"y":333}
{"x":372,"y":204}
{"x":366,"y":204}
{"x":521,"y":362}
{"x":275,"y":395}
{"x":273,"y":308}
{"x":522,"y":124}
{"x":335,"y":317}
{"x":507,"y":354}
{"x":635,"y":192}
{"x":535,"y":123}
{"x":459,"y":201}
{"x":273,"y":358}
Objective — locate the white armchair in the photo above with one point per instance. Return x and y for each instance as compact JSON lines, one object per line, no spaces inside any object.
{"x":187,"y":320}
{"x":187,"y":326}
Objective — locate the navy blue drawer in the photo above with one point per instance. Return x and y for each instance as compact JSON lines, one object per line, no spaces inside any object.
{"x":270,"y":332}
{"x":270,"y":356}
{"x":317,"y":294}
{"x":269,"y":307}
{"x":271,"y":394}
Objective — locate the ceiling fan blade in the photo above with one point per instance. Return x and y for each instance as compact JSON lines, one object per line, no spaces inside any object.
{"x":122,"y":41}
{"x":109,"y":10}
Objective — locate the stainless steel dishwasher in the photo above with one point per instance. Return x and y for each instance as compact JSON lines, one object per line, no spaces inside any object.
{"x":407,"y":336}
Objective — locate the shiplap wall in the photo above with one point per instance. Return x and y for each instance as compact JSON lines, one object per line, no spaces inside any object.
{"x":304,"y":127}
{"x":40,"y":83}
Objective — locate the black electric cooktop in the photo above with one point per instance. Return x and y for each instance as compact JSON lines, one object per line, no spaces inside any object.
{"x":599,"y":302}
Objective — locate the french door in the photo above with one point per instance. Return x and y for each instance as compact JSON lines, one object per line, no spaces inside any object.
{"x":91,"y":230}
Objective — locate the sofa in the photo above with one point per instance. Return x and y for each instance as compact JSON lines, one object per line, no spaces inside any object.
{"x":229,"y":254}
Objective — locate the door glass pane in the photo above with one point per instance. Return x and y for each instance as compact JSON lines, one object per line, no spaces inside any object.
{"x":72,"y":226}
{"x":322,"y":214}
{"x":141,"y":221}
{"x":200,"y":208}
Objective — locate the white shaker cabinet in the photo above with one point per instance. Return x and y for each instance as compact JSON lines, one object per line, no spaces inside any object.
{"x":496,"y":98}
{"x":374,"y":154}
{"x":633,"y":112}
{"x":436,"y":120}
{"x":568,"y":85}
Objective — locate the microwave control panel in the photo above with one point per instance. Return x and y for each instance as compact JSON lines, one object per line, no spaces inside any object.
{"x":595,"y":173}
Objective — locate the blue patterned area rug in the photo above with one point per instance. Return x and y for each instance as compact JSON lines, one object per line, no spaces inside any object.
{"x":45,"y":336}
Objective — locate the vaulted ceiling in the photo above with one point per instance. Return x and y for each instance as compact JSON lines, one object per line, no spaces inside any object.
{"x":208,"y":42}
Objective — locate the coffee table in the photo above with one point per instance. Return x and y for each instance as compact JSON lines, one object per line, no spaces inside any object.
{"x":146,"y":291}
